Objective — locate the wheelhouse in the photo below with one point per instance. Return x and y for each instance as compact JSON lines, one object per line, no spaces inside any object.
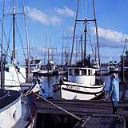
{"x":76,"y":71}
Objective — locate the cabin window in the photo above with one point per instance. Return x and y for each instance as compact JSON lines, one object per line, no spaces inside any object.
{"x":84,"y":72}
{"x":76,"y":71}
{"x":89,"y":72}
{"x":70,"y":72}
{"x":7,"y":69}
{"x":18,"y":69}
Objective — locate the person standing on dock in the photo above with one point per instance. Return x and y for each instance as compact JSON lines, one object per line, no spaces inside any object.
{"x":114,"y":90}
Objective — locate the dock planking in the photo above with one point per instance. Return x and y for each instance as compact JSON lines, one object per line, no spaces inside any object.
{"x":82,"y":107}
{"x":94,"y":109}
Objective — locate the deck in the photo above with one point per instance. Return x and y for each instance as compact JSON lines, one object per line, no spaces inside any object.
{"x":94,"y":111}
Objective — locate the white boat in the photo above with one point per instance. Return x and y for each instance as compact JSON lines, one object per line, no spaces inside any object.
{"x":35,"y":65}
{"x":46,"y":70}
{"x":81,"y":85}
{"x":14,"y":76}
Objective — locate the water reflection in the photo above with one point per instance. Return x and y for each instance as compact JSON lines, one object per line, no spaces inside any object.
{"x":46,"y":85}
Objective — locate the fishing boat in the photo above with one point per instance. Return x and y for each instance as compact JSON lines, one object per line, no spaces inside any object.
{"x":81,"y":83}
{"x":35,"y":65}
{"x":48,"y":69}
{"x":12,"y":74}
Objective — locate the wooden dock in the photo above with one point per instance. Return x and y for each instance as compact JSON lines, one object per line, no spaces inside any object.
{"x":86,"y":110}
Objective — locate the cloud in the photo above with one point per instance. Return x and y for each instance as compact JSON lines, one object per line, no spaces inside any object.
{"x":111,"y":35}
{"x":110,"y":38}
{"x":65,"y":11}
{"x":42,"y":17}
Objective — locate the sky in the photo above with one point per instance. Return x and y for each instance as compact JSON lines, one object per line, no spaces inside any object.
{"x":51,"y":22}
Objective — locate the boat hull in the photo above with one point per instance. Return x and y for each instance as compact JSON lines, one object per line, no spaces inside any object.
{"x":11,"y":110}
{"x":17,"y":111}
{"x":74,"y":91}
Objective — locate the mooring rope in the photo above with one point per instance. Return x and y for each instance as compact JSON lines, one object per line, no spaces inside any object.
{"x":85,"y":122}
{"x":69,"y":113}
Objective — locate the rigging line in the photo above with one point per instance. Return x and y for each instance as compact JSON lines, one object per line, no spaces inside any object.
{"x":27,"y":41}
{"x":4,"y":50}
{"x":5,"y":36}
{"x":89,"y":37}
{"x":96,"y":30}
{"x":81,"y":44}
{"x":28,"y":44}
{"x":125,"y":46}
{"x":76,"y":56}
{"x":82,"y":13}
{"x":85,"y":122}
{"x":9,"y":57}
{"x":13,"y":63}
{"x":4,"y":33}
{"x":80,"y":49}
{"x":8,"y":44}
{"x":20,"y":39}
{"x":74,"y":32}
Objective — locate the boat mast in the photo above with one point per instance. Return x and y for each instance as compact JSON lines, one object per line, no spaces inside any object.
{"x":123,"y":60}
{"x":85,"y":21}
{"x":14,"y":40}
{"x":28,"y":77}
{"x":2,"y":53}
{"x":45,"y":51}
{"x":81,"y":41}
{"x":48,"y":56}
{"x":62,"y":57}
{"x":74,"y":33}
{"x":85,"y":39}
{"x":97,"y":38}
